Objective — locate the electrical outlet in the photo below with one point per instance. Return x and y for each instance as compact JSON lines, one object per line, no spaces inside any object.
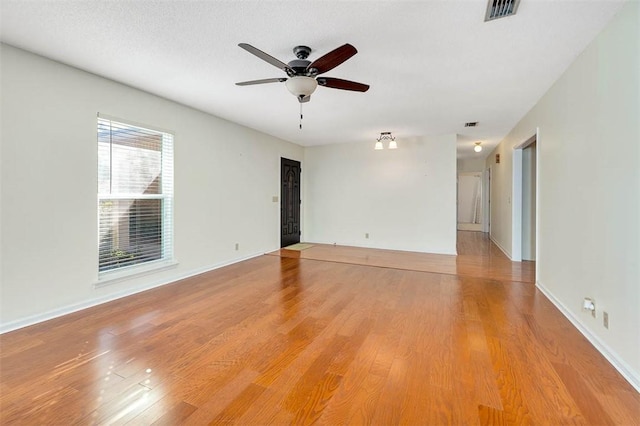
{"x":605,"y":319}
{"x":589,"y":305}
{"x":237,"y":246}
{"x":366,"y":235}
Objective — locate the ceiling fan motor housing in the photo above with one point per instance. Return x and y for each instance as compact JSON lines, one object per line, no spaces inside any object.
{"x":299,"y":66}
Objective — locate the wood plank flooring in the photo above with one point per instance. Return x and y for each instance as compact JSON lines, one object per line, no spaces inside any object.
{"x":329,"y":335}
{"x":477,"y":257}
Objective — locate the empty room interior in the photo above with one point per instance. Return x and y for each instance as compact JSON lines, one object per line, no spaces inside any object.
{"x":330,"y":212}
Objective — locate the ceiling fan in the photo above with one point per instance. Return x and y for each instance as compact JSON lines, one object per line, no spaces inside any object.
{"x":302,"y":75}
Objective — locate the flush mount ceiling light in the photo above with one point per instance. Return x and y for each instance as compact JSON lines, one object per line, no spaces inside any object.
{"x":386,"y":136}
{"x":478,"y":147}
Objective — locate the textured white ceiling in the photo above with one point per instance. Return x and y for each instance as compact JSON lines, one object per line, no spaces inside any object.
{"x":432,"y":65}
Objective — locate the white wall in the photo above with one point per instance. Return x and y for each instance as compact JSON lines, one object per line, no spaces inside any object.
{"x":225,"y":177}
{"x":589,"y":189}
{"x":471,"y":164}
{"x":404,"y":198}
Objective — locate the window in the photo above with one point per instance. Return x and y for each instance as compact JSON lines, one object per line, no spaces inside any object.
{"x":135,"y":195}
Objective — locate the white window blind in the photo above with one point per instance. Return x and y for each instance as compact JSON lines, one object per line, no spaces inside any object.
{"x":135,"y":195}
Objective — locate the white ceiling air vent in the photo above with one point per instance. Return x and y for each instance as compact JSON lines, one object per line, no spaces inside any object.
{"x":500,"y":9}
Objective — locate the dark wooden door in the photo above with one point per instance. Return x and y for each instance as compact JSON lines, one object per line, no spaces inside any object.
{"x":289,"y":202}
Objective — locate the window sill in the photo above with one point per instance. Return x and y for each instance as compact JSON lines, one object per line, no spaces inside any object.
{"x":112,"y":277}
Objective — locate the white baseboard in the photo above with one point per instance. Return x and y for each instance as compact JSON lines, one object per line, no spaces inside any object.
{"x":65,"y":310}
{"x":502,"y":249}
{"x":379,"y":247}
{"x":618,"y":363}
{"x":462,"y":226}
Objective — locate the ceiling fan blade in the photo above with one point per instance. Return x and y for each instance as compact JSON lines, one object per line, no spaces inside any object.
{"x":338,"y":83}
{"x":333,"y":59}
{"x":266,"y":57}
{"x":263,"y":81}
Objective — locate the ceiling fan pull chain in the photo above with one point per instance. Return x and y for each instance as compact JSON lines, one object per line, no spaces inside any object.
{"x":300,"y":116}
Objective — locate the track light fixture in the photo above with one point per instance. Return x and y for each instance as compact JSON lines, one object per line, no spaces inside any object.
{"x":386,"y":136}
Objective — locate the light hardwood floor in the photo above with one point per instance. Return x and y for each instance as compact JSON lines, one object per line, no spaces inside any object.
{"x":333,"y":335}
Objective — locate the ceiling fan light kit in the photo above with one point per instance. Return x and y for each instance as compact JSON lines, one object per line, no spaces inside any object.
{"x":301,"y":86}
{"x":302,"y":74}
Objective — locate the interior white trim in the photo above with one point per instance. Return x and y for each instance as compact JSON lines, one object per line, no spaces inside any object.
{"x":633,"y":377}
{"x":135,"y":123}
{"x":528,"y":142}
{"x":475,"y":227}
{"x":379,"y":247}
{"x":55,"y":313}
{"x":118,"y":275}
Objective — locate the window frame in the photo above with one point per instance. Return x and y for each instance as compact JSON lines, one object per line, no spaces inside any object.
{"x":166,"y":196}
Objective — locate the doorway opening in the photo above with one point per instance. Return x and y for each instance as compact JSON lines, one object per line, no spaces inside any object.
{"x":525,"y":173}
{"x":470,"y":201}
{"x":486,"y":226}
